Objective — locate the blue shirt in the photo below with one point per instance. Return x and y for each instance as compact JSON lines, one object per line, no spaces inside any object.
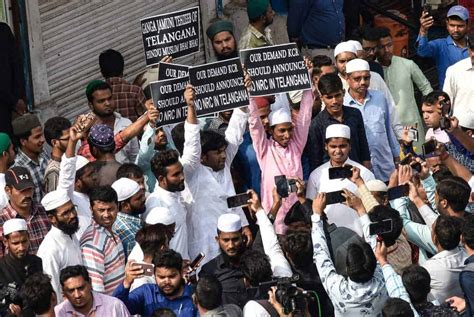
{"x":443,"y":51}
{"x":316,"y":22}
{"x":466,"y":279}
{"x":148,"y":298}
{"x":382,"y":141}
{"x":246,"y":163}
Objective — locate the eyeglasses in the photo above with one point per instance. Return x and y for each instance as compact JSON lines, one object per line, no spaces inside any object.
{"x":359,"y":78}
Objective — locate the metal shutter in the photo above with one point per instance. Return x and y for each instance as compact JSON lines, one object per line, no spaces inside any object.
{"x":75,"y":32}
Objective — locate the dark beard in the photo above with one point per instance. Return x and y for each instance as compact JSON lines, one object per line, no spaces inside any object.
{"x":225,"y":57}
{"x":176,"y":290}
{"x":68,"y":229}
{"x":175,"y":188}
{"x":236,"y":258}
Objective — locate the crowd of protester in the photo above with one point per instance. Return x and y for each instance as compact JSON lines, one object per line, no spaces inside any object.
{"x":121,"y":217}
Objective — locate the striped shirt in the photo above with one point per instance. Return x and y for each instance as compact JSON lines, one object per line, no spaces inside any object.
{"x":103,"y":256}
{"x":36,"y":170}
{"x":38,"y":226}
{"x":127,"y":226}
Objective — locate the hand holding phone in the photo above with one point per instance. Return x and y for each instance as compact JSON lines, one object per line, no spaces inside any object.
{"x":238,"y":200}
{"x":340,"y":172}
{"x":335,"y":197}
{"x":429,"y":147}
{"x":194,"y":264}
{"x":148,"y":268}
{"x":398,"y":191}
{"x":380,"y":227}
{"x":285,"y":186}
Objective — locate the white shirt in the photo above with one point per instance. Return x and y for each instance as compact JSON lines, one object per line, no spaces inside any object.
{"x":339,"y":214}
{"x":57,"y":251}
{"x":174,"y":202}
{"x":278,"y":262}
{"x":444,"y":268}
{"x":3,"y":195}
{"x":67,"y":178}
{"x":210,"y":190}
{"x":458,"y":85}
{"x":130,"y":151}
{"x":471,"y":184}
{"x":377,"y":83}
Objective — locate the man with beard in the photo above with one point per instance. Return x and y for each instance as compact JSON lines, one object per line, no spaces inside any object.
{"x":60,"y":247}
{"x":447,"y":51}
{"x":226,"y":265}
{"x":170,"y":290}
{"x":19,"y":188}
{"x":18,"y":264}
{"x":7,"y":158}
{"x":221,"y":35}
{"x":400,"y":74}
{"x":81,"y":300}
{"x":375,"y":108}
{"x":131,"y":205}
{"x":56,"y":133}
{"x":99,"y":95}
{"x":258,"y":33}
{"x":30,"y":140}
{"x":102,"y":250}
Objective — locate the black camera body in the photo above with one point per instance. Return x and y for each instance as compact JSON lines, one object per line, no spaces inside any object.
{"x":289,"y":296}
{"x":9,"y":294}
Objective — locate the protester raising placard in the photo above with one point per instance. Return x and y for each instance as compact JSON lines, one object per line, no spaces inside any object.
{"x":168,"y":93}
{"x":169,"y":71}
{"x":175,"y":34}
{"x":275,"y":69}
{"x":219,"y":86}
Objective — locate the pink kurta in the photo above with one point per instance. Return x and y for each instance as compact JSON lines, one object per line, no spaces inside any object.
{"x":276,"y":160}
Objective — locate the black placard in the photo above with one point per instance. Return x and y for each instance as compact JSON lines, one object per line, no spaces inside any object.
{"x":219,"y":86}
{"x":275,"y":69}
{"x":168,"y":97}
{"x":169,"y":71}
{"x":173,"y":34}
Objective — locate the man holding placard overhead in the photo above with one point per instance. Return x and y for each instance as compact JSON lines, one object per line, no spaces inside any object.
{"x":281,"y":153}
{"x":258,"y":33}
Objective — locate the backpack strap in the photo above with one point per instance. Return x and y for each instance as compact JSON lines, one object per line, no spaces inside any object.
{"x":268,"y":307}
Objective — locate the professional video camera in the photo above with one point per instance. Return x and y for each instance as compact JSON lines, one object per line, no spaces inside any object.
{"x":289,"y":296}
{"x":9,"y":294}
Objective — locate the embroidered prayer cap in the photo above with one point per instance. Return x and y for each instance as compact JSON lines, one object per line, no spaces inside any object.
{"x":280,"y":110}
{"x":338,"y":131}
{"x":229,"y":223}
{"x":102,"y":136}
{"x":159,"y":215}
{"x":125,"y":188}
{"x":55,"y":199}
{"x":356,"y":44}
{"x":376,"y":185}
{"x":14,"y":225}
{"x":344,"y":47}
{"x":357,"y":65}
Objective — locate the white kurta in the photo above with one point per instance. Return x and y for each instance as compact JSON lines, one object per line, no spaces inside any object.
{"x":67,"y":177}
{"x":57,"y":251}
{"x":210,"y":190}
{"x":130,"y":151}
{"x":174,"y":202}
{"x":339,"y":214}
